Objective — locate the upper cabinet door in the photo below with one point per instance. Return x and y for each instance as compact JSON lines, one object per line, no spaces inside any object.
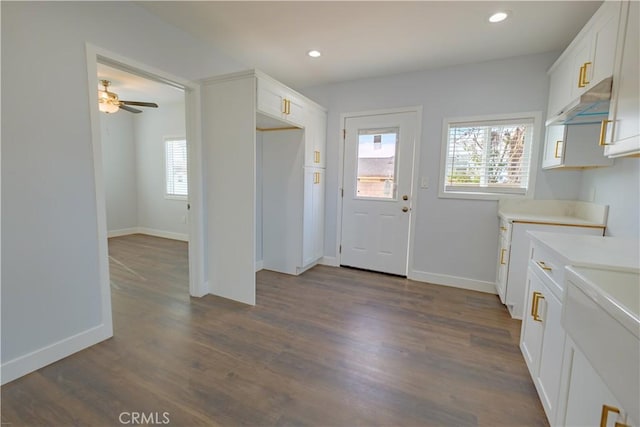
{"x":603,"y":46}
{"x":623,"y":132}
{"x":315,"y":136}
{"x":278,"y":101}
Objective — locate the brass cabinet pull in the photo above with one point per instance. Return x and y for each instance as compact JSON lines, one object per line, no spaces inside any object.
{"x":605,"y":415}
{"x":502,"y":251}
{"x":584,"y":74}
{"x":503,"y":228}
{"x":535,"y":305}
{"x":284,"y":105}
{"x":556,"y":150}
{"x":543,"y":266}
{"x":581,"y":76}
{"x":316,"y":177}
{"x":288,"y":106}
{"x":603,"y":132}
{"x":316,"y":157}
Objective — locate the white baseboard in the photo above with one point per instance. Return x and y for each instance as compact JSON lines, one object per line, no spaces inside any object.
{"x":42,"y":357}
{"x":453,"y":281}
{"x":329,"y":260}
{"x":122,"y":232}
{"x":259,"y":265}
{"x":149,"y":231}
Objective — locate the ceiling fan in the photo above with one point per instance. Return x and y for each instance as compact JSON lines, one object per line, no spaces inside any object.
{"x":108,"y":102}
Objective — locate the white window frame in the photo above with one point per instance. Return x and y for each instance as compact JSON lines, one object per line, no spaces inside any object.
{"x":491,"y":195}
{"x":168,"y":195}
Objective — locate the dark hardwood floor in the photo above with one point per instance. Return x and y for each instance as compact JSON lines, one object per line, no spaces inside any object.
{"x":332,"y":347}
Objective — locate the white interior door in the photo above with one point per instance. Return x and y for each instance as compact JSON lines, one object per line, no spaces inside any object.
{"x":378,"y":176}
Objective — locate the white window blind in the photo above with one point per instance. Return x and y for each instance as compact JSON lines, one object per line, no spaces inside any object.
{"x":490,"y":156}
{"x":176,"y":167}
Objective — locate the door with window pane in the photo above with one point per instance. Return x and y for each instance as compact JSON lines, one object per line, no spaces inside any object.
{"x":376,"y":209}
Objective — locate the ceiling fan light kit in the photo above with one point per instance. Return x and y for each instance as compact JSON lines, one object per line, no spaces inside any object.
{"x":108,"y":102}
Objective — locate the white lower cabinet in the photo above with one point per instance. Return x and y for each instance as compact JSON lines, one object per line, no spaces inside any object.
{"x":313,"y":217}
{"x":542,"y":339}
{"x":589,"y":402}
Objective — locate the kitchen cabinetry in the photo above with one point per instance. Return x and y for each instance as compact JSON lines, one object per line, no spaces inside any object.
{"x":622,"y":134}
{"x":238,"y":109}
{"x":542,"y":336}
{"x":573,"y":146}
{"x":316,"y":137}
{"x":587,"y":61}
{"x":516,"y":256}
{"x":589,"y":400}
{"x":279,"y":102}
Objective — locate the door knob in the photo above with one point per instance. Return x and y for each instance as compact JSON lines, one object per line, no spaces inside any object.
{"x":405,"y":197}
{"x":405,"y":209}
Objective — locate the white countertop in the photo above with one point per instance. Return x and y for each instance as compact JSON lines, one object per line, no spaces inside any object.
{"x":617,"y":292}
{"x":609,"y":253}
{"x":566,"y":212}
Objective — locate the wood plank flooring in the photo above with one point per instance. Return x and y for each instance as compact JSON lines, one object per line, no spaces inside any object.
{"x":332,"y":347}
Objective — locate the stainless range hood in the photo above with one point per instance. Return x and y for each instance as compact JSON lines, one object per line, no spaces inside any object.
{"x":591,"y":107}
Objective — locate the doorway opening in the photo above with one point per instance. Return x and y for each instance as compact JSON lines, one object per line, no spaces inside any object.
{"x":378,"y":188}
{"x":177,"y":174}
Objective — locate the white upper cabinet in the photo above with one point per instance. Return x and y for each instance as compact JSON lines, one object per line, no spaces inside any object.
{"x":622,"y":135}
{"x":587,"y":61}
{"x":278,"y":101}
{"x":573,"y":146}
{"x":316,"y":136}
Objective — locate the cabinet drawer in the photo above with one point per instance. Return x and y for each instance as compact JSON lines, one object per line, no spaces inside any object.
{"x":549,"y":265}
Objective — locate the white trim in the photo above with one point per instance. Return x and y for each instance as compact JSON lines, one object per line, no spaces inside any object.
{"x":537,"y":140}
{"x":259,"y":265}
{"x":453,"y":281}
{"x":414,"y":173}
{"x":164,"y":234}
{"x":123,"y":232}
{"x":331,"y":261}
{"x":197,"y":284}
{"x":22,"y":365}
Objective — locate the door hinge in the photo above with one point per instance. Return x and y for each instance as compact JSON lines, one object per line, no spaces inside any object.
{"x":344,"y":134}
{"x":342,"y":192}
{"x":340,"y":249}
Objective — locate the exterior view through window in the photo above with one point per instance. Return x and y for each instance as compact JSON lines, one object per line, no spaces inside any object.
{"x":377,"y":163}
{"x":176,"y":167}
{"x":488,"y":157}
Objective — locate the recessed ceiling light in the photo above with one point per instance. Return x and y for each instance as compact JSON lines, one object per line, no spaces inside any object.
{"x":314,"y":53}
{"x":498,"y":17}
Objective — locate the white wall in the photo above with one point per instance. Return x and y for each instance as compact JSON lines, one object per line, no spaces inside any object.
{"x":619,"y":187}
{"x":51,"y":300}
{"x":455,"y":239}
{"x":119,"y":169}
{"x":155,"y":211}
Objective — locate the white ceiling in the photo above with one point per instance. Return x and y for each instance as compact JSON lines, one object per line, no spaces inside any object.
{"x":131,"y":87}
{"x":360,"y":39}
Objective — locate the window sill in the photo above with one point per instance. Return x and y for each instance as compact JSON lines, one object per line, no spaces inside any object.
{"x":176,"y":198}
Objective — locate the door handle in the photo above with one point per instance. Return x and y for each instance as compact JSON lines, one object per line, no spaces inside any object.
{"x":405,"y":209}
{"x":405,"y":197}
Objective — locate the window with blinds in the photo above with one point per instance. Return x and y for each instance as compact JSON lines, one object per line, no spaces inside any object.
{"x":176,"y":167}
{"x":490,"y":156}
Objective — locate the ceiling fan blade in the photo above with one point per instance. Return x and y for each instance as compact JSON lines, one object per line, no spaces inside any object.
{"x":140,"y":104}
{"x":130,"y":109}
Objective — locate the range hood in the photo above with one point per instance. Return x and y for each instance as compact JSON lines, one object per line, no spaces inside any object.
{"x":591,"y":107}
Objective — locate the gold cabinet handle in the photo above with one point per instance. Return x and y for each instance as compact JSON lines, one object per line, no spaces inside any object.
{"x":581,"y":76}
{"x":284,"y":105}
{"x":543,"y":266}
{"x":316,"y":177}
{"x":534,"y":306}
{"x":584,"y":74}
{"x":503,"y":228}
{"x":316,"y":157}
{"x":605,"y":415}
{"x":502,"y":251}
{"x":556,"y":150}
{"x":603,"y":132}
{"x":288,"y":106}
